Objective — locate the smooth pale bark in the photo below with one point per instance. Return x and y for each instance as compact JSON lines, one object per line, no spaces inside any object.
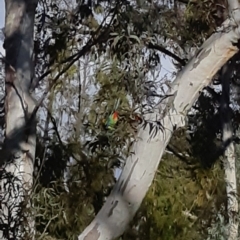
{"x":17,"y":156}
{"x":141,"y":166}
{"x":229,"y":156}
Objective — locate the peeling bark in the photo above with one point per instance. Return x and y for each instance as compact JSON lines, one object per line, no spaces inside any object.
{"x":18,"y":154}
{"x":140,"y":168}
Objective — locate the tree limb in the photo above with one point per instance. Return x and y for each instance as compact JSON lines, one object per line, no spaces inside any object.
{"x":167,"y":52}
{"x":140,"y":167}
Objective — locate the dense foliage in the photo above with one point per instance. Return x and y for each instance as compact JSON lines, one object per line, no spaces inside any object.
{"x":95,"y":58}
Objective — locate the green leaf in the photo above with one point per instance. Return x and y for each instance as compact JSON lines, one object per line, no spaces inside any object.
{"x":116,"y":40}
{"x":135,"y":37}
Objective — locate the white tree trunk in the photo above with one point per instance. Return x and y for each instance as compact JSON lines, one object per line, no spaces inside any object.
{"x":140,"y":168}
{"x":17,"y":156}
{"x":229,"y":157}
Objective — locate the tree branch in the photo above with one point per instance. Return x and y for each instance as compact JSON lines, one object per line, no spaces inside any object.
{"x":234,"y":8}
{"x":151,"y":141}
{"x":167,"y":52}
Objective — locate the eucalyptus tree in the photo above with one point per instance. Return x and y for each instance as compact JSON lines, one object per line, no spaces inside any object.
{"x":140,"y":168}
{"x":23,"y":54}
{"x":20,"y":108}
{"x":57,"y":55}
{"x":229,"y":158}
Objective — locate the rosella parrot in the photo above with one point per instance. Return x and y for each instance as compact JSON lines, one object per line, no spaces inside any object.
{"x":111,"y":121}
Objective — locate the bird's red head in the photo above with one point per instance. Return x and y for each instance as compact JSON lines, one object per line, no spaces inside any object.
{"x":115,"y":115}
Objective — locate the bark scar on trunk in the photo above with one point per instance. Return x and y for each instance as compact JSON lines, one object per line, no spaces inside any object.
{"x":112,"y":208}
{"x":128,"y":178}
{"x":201,"y":55}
